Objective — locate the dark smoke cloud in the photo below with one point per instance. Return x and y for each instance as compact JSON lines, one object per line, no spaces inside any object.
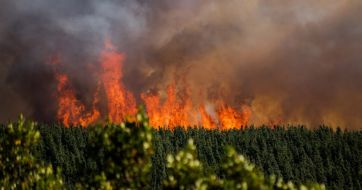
{"x":299,"y":61}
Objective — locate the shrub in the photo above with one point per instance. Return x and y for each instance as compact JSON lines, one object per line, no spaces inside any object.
{"x":186,"y":172}
{"x":122,"y":155}
{"x":19,"y":169}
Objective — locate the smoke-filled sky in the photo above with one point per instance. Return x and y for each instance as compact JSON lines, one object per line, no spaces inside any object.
{"x":300,"y":61}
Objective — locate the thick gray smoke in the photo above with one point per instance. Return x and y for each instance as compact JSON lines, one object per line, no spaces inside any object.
{"x":298,"y":61}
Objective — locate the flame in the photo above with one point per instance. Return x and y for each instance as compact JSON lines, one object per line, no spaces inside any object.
{"x":231,"y":118}
{"x":206,"y":120}
{"x":70,"y":110}
{"x":120,"y":102}
{"x":153,"y":109}
{"x":176,"y":109}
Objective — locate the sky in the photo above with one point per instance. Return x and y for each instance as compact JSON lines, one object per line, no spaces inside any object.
{"x":299,"y":61}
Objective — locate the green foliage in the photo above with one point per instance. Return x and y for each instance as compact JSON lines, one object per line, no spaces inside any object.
{"x":294,"y":154}
{"x":186,"y":172}
{"x":241,"y":174}
{"x":134,"y":156}
{"x":19,"y":169}
{"x":122,"y":154}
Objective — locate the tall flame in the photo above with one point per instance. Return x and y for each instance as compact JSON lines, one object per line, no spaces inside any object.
{"x":121,"y":103}
{"x":206,"y":120}
{"x":231,"y":118}
{"x":70,"y":110}
{"x":176,"y":109}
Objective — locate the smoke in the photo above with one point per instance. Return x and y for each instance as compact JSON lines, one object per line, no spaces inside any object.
{"x":297,"y":61}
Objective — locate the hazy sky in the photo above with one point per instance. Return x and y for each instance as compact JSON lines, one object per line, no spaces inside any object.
{"x":296,"y":60}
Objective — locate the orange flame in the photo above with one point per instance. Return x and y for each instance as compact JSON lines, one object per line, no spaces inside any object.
{"x":206,"y":120}
{"x":153,"y":109}
{"x":121,"y":102}
{"x":70,"y":110}
{"x":176,"y":109}
{"x":232,"y":119}
{"x":173,"y":112}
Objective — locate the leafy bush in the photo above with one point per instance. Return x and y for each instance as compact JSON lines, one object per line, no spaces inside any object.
{"x":122,"y":154}
{"x":186,"y":172}
{"x":19,"y":169}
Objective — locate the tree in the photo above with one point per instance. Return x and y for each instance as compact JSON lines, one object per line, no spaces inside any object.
{"x":19,"y":168}
{"x":122,"y":155}
{"x":185,"y":172}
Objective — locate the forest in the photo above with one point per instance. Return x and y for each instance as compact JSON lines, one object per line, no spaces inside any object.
{"x":133,"y":155}
{"x":294,"y":153}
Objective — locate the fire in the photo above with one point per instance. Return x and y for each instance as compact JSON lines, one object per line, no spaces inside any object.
{"x":174,"y":109}
{"x":231,"y":118}
{"x":153,"y":109}
{"x":70,"y":110}
{"x":206,"y":120}
{"x":121,"y":103}
{"x":178,"y":110}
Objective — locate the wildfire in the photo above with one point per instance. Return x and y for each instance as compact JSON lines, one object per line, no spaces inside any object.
{"x":206,"y":120}
{"x":175,"y":110}
{"x":70,"y":110}
{"x":121,"y":103}
{"x":231,"y":118}
{"x":180,"y":111}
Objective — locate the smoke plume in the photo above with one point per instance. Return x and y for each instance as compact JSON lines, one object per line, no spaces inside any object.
{"x":294,"y":61}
